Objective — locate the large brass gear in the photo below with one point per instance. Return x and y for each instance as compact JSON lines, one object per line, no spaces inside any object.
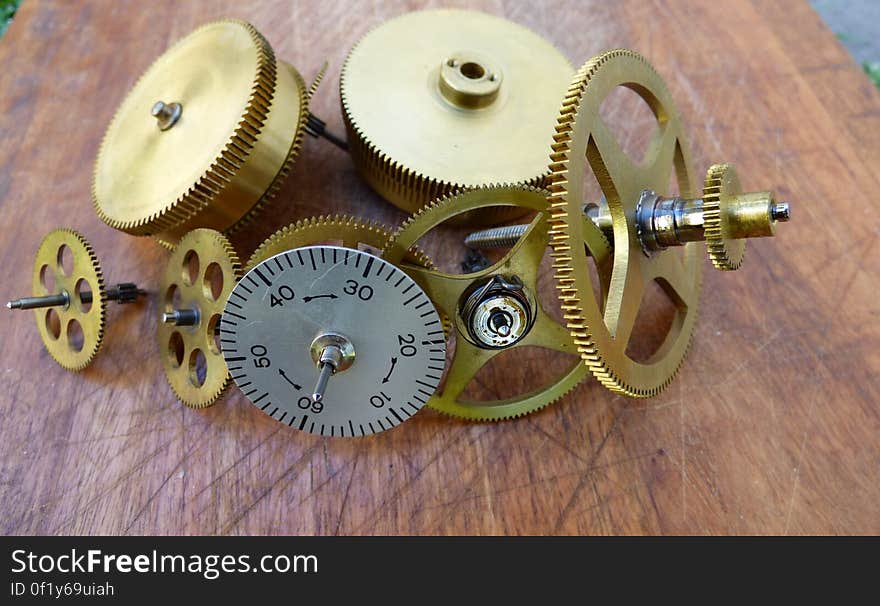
{"x":582,"y":138}
{"x":199,"y":278}
{"x":228,"y":129}
{"x":438,"y":101}
{"x":349,"y":231}
{"x":72,"y":333}
{"x":447,"y":290}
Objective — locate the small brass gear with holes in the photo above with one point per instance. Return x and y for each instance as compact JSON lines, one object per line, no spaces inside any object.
{"x":438,"y":101}
{"x":350,"y":232}
{"x":204,"y":138}
{"x":721,"y":186}
{"x":200,"y":275}
{"x":72,"y":333}
{"x":602,"y":329}
{"x":447,"y":290}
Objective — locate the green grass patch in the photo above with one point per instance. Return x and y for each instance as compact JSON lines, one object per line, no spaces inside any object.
{"x":7,"y":12}
{"x":872,"y":68}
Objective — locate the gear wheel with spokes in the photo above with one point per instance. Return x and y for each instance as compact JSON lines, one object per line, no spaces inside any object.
{"x":448,"y":290}
{"x":602,"y":331}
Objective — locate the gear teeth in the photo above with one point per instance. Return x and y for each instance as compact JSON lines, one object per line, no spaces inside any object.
{"x":223,"y":254}
{"x":716,"y":244}
{"x":227,"y":164}
{"x":293,"y":153}
{"x":314,"y":230}
{"x":561,"y":155}
{"x":100,"y":300}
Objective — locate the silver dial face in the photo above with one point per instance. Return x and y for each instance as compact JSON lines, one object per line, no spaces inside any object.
{"x":309,"y":307}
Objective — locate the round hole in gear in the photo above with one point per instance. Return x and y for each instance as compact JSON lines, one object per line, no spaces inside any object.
{"x":47,"y":279}
{"x":83,"y":288}
{"x":198,"y":367}
{"x":190,"y":268}
{"x":213,"y":282}
{"x":176,"y":349}
{"x":53,"y":323}
{"x":214,"y":333}
{"x":173,"y":298}
{"x":75,"y":336}
{"x":65,"y":260}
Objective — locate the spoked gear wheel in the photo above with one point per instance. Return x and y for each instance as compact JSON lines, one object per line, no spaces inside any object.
{"x":199,"y":278}
{"x":448,"y":290}
{"x":602,"y":332}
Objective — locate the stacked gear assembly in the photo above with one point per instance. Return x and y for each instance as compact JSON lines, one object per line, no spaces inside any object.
{"x":439,"y":101}
{"x":204,"y":138}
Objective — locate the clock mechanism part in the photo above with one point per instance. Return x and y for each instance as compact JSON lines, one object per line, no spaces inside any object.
{"x":653,"y":237}
{"x":69,"y":298}
{"x":204,"y":138}
{"x":200,"y":275}
{"x":307,"y":337}
{"x":496,"y":308}
{"x":444,"y":100}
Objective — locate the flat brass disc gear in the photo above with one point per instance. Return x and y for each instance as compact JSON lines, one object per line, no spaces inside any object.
{"x":204,"y":138}
{"x":350,"y":232}
{"x":446,"y":291}
{"x":602,"y":331}
{"x":199,"y":277}
{"x":721,"y":187}
{"x":72,"y":333}
{"x":437,"y":101}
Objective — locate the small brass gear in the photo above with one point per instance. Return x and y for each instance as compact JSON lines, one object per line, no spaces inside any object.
{"x":227,"y":123}
{"x":72,"y":333}
{"x":602,"y":329}
{"x":198,"y":279}
{"x":721,"y":186}
{"x":439,"y":101}
{"x":447,"y":290}
{"x":349,"y":231}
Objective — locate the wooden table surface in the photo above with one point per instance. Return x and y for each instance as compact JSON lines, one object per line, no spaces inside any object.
{"x":773,"y":425}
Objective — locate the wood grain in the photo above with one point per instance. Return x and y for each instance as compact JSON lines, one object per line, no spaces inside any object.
{"x":772,"y":426}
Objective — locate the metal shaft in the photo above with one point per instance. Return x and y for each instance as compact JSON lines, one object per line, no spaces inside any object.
{"x":181,"y":317}
{"x":37,"y":302}
{"x":329,"y":361}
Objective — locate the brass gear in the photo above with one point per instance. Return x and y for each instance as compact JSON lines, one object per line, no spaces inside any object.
{"x":602,"y":331}
{"x":721,"y":187}
{"x":200,"y":276}
{"x":351,"y":232}
{"x":234,"y":119}
{"x":57,"y":325}
{"x":446,"y":291}
{"x":438,"y":101}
